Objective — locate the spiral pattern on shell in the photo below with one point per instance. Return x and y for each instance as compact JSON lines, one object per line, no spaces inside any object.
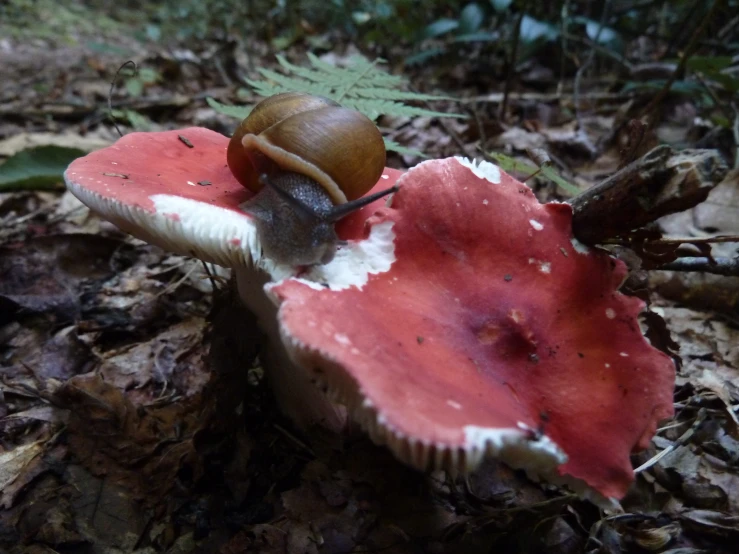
{"x":338,"y":147}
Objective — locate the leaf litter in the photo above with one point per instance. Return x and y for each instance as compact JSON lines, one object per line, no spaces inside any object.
{"x":134,"y":415}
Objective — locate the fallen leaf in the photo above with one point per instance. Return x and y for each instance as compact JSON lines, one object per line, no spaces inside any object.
{"x":14,"y":462}
{"x":66,"y":139}
{"x":37,"y":168}
{"x":46,"y":273}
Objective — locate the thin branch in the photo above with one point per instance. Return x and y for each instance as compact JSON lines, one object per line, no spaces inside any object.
{"x":683,"y":24}
{"x":565,"y":17}
{"x":594,"y":46}
{"x":680,"y":69}
{"x":112,"y":89}
{"x":696,"y":240}
{"x":717,"y":266}
{"x":578,"y":78}
{"x":512,"y":64}
{"x":683,"y":439}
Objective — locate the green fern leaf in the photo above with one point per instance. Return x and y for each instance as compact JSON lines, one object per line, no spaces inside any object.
{"x":363,"y":86}
{"x":385,"y":94}
{"x":239,"y":112}
{"x":395,"y":147}
{"x":372,"y":108}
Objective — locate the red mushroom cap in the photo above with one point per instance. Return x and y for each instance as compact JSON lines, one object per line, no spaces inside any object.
{"x":491,"y":331}
{"x":467,"y":320}
{"x":174,"y":189}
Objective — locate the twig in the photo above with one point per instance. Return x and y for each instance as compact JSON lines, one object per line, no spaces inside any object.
{"x":717,"y":266}
{"x":512,"y":64}
{"x":112,"y":89}
{"x":173,"y":286}
{"x":481,"y":129}
{"x":210,"y":276}
{"x":594,"y":46}
{"x":294,"y":439}
{"x":684,"y":23}
{"x":680,"y":69}
{"x":684,"y":438}
{"x":727,"y":29}
{"x":564,"y":17}
{"x":497,"y":97}
{"x":448,"y":129}
{"x":696,"y":240}
{"x":659,"y":183}
{"x":578,"y":79}
{"x":723,"y":107}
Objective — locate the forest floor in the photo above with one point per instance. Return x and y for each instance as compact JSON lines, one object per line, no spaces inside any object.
{"x":117,"y":435}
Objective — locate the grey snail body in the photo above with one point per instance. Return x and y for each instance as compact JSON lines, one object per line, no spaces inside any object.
{"x":309,"y":161}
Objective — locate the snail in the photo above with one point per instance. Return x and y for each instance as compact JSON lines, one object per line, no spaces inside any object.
{"x":309,"y":161}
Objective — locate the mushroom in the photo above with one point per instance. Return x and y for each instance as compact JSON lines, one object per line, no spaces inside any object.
{"x":460,"y":321}
{"x":173,"y":189}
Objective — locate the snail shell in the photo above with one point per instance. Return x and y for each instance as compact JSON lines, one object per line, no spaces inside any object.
{"x":339,"y":148}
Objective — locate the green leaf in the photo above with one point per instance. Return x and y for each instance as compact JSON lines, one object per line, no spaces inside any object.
{"x":549,"y":173}
{"x":678,"y":87}
{"x":440,"y":27}
{"x":606,"y":36}
{"x":362,"y":86}
{"x":386,"y":94}
{"x":501,"y":5}
{"x":239,"y":112}
{"x":471,"y":18}
{"x":153,"y":32}
{"x":135,"y":87}
{"x":373,"y":108}
{"x":727,"y":81}
{"x":481,"y":36}
{"x":395,"y":147}
{"x":509,"y":164}
{"x":533,"y":30}
{"x":111,"y":49}
{"x":425,"y":55}
{"x":138,"y":121}
{"x":709,"y":64}
{"x":148,"y":75}
{"x":39,"y":168}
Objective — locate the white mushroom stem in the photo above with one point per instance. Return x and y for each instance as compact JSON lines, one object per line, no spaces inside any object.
{"x":297,"y":396}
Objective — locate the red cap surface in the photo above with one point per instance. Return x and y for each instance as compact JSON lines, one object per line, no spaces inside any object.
{"x":174,"y":189}
{"x":490,"y":330}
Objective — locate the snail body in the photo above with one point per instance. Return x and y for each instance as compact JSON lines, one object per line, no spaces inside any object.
{"x":310,"y":163}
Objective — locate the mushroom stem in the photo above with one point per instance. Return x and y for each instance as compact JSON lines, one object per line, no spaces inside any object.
{"x":296,"y":395}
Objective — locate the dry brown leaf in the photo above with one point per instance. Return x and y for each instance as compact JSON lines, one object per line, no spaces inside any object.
{"x":13,"y":464}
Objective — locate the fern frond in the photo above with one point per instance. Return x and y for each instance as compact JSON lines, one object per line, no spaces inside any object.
{"x":373,"y":108}
{"x":385,"y":94}
{"x":363,"y":86}
{"x":239,"y":112}
{"x":395,"y":147}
